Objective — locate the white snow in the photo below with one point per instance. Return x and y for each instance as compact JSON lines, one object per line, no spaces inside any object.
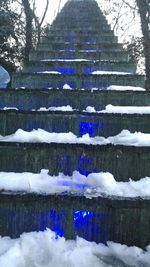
{"x":90,"y":109}
{"x":48,"y":72}
{"x":108,"y":109}
{"x":41,"y":136}
{"x":67,"y":60}
{"x":94,"y":185}
{"x":62,"y":108}
{"x":99,"y":72}
{"x":7,"y":108}
{"x":125,"y":88}
{"x":42,"y":249}
{"x":126,"y":109}
{"x":67,"y":87}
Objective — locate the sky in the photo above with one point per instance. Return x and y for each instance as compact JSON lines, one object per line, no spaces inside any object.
{"x":56,"y":5}
{"x":53,"y":8}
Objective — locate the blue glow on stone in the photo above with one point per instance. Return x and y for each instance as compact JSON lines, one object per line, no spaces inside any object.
{"x":89,"y":85}
{"x":86,"y":165}
{"x":52,"y":219}
{"x":65,"y":70}
{"x":56,"y":221}
{"x":92,"y":226}
{"x":14,"y":223}
{"x":88,"y":127}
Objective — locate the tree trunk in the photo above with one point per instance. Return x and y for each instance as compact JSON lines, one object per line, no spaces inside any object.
{"x":144,"y":15}
{"x":29,"y":28}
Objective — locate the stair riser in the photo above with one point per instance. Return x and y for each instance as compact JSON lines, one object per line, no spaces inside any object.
{"x":74,"y":34}
{"x":74,"y":27}
{"x":78,"y":67}
{"x":83,"y":46}
{"x":31,"y":99}
{"x":123,"y":162}
{"x":80,"y":124}
{"x":105,"y":219}
{"x":107,"y":55}
{"x":98,"y":39}
{"x":82,"y":20}
{"x":40,"y":81}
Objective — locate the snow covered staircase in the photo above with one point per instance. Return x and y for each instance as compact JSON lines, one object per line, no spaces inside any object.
{"x":77,"y":61}
{"x":79,"y":57}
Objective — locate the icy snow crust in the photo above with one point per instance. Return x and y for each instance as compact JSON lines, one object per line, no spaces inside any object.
{"x":110,"y":88}
{"x":108,"y":109}
{"x":41,"y":136}
{"x":121,"y":109}
{"x":125,"y":88}
{"x":41,"y":249}
{"x":99,"y":72}
{"x":94,"y":185}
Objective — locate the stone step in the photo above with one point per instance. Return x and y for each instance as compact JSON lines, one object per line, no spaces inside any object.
{"x":81,"y":54}
{"x":74,"y":67}
{"x":81,"y":38}
{"x":98,"y":219}
{"x":80,"y":18}
{"x":79,"y":46}
{"x":79,"y":123}
{"x":88,"y":82}
{"x":74,"y":26}
{"x":80,"y":33}
{"x":122,"y":161}
{"x":35,"y":99}
{"x":82,"y":25}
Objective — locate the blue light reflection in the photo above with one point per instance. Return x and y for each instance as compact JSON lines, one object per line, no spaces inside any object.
{"x":91,"y":226}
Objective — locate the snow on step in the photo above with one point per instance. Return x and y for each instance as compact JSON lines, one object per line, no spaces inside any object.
{"x":62,"y":108}
{"x":121,"y":109}
{"x":108,"y":109}
{"x":67,"y":60}
{"x":125,"y":88}
{"x":67,"y":87}
{"x":125,"y":138}
{"x":94,"y":185}
{"x":99,"y":72}
{"x":126,"y":109}
{"x":48,"y":72}
{"x":46,"y":251}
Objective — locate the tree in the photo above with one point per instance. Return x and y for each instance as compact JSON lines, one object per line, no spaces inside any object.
{"x":30,"y":31}
{"x":9,"y":36}
{"x":144,"y":11}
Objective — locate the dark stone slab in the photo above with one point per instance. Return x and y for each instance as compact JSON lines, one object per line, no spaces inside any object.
{"x":79,"y":123}
{"x":98,"y":55}
{"x":98,"y":219}
{"x":89,"y":81}
{"x":122,"y":161}
{"x":34,"y":99}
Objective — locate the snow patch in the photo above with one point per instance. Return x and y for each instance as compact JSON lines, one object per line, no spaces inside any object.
{"x":42,"y":249}
{"x":90,"y":109}
{"x":99,"y":72}
{"x":126,"y":109}
{"x":125,"y":88}
{"x":41,"y":136}
{"x":94,"y":185}
{"x":48,"y":72}
{"x":67,"y":60}
{"x":63,"y":108}
{"x":67,"y":87}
